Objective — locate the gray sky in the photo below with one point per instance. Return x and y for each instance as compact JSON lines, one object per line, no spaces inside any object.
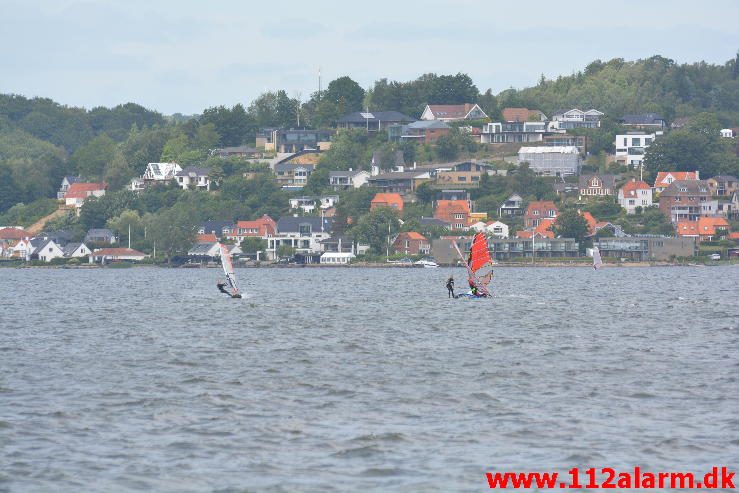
{"x":184,"y":56}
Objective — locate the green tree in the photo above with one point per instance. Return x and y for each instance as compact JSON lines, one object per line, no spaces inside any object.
{"x":376,"y":228}
{"x":91,"y":159}
{"x":120,"y":226}
{"x":346,"y":94}
{"x":118,"y":173}
{"x":570,"y":224}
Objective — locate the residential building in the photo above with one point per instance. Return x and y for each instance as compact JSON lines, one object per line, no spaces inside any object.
{"x":293,"y":140}
{"x":453,"y":112}
{"x":454,"y":212}
{"x":551,"y":161}
{"x":434,"y":223}
{"x":683,"y":200}
{"x":304,"y":234}
{"x":635,"y":194}
{"x":212,"y":250}
{"x":337,"y":258}
{"x":644,"y":121}
{"x":422,"y":132}
{"x":78,"y":192}
{"x":665,"y":178}
{"x":67,"y":181}
{"x":567,"y":140}
{"x":240,"y":152}
{"x":374,"y":121}
{"x":343,"y":244}
{"x":100,"y":237}
{"x":193,"y":177}
{"x":404,"y":182}
{"x":264,"y":227}
{"x":575,"y":118}
{"x":491,"y":228}
{"x":464,"y":174}
{"x":45,"y":249}
{"x":341,"y":180}
{"x":513,"y":206}
{"x":308,"y":203}
{"x":642,"y":248}
{"x":727,"y":133}
{"x":542,"y":230}
{"x":21,"y":249}
{"x":155,"y":173}
{"x":503,"y":249}
{"x":76,"y":250}
{"x":206,"y":238}
{"x":705,"y":228}
{"x":723,"y":185}
{"x":522,"y":115}
{"x":513,"y":132}
{"x":105,"y":255}
{"x":411,"y":243}
{"x":14,"y":234}
{"x":293,"y":175}
{"x":538,"y":210}
{"x":596,"y":185}
{"x":630,"y":147}
{"x":221,"y":229}
{"x":392,"y":200}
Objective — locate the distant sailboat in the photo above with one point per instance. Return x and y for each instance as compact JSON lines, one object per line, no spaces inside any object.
{"x":597,"y":261}
{"x":228,"y":270}
{"x":479,"y":265}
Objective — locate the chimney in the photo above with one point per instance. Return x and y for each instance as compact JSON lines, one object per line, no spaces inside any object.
{"x":375,"y":170}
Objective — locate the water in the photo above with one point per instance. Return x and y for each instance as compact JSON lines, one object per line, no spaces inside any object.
{"x":360,"y":379}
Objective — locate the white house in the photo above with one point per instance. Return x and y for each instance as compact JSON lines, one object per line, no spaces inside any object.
{"x":22,"y":249}
{"x":635,"y":194}
{"x":76,"y":250}
{"x":308,"y":203}
{"x":513,"y":132}
{"x":337,"y":258}
{"x":575,"y":118}
{"x":212,"y":250}
{"x":155,"y":173}
{"x":193,"y":177}
{"x":630,"y":147}
{"x":104,"y":255}
{"x":340,"y":180}
{"x":727,"y":133}
{"x":491,"y":228}
{"x":453,"y":112}
{"x":46,"y":250}
{"x":78,"y":192}
{"x":304,"y":234}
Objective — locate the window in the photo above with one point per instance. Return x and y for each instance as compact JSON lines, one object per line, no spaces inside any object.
{"x":407,"y":243}
{"x":626,"y":144}
{"x":458,"y":216}
{"x":461,"y":178}
{"x":636,"y":141}
{"x":304,"y":229}
{"x":647,"y":141}
{"x":631,"y":202}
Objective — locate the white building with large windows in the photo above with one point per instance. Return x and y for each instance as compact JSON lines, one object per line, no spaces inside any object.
{"x":630,"y":147}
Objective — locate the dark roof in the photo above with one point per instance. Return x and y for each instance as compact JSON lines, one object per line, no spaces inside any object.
{"x":73,"y":179}
{"x":216,"y":227}
{"x":236,"y":150}
{"x":432,"y":221}
{"x":291,"y":224}
{"x":692,"y":186}
{"x":382,"y":116}
{"x":39,"y":242}
{"x":422,"y":124}
{"x":643,"y":119}
{"x":99,"y":233}
{"x":193,"y":169}
{"x":608,"y":180}
{"x":405,"y":175}
{"x":69,"y":248}
{"x":293,"y":166}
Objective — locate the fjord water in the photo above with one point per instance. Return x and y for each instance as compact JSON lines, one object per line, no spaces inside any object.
{"x":331,"y":379}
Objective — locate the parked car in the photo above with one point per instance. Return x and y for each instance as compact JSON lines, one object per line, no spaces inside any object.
{"x":715,"y":256}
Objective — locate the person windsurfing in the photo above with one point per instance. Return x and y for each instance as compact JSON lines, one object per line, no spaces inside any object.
{"x":222,"y":287}
{"x":450,"y":286}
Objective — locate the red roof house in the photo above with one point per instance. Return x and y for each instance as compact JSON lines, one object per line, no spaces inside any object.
{"x":454,"y":212}
{"x":392,"y":200}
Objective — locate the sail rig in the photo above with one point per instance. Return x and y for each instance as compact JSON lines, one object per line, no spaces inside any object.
{"x":479,"y":263}
{"x":228,"y":270}
{"x":597,"y":261}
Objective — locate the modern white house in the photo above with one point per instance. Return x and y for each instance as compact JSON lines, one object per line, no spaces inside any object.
{"x":491,"y":228}
{"x":728,"y":133}
{"x":630,"y":147}
{"x":340,"y":180}
{"x":304,"y":234}
{"x":193,"y":177}
{"x":155,"y":173}
{"x":308,"y":203}
{"x":76,"y":250}
{"x":575,"y":118}
{"x":513,"y":132}
{"x":635,"y":194}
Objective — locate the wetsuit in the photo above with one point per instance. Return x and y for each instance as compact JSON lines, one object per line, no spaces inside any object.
{"x":450,"y":287}
{"x":222,"y":288}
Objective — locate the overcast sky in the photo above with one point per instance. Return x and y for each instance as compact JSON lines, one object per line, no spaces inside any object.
{"x":184,"y":56}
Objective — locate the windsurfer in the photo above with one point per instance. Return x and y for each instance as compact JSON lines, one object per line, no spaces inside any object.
{"x":222,"y":288}
{"x":450,"y":286}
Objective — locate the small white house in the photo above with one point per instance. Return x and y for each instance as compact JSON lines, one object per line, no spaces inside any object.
{"x":727,"y":133}
{"x":491,"y":228}
{"x":193,"y":177}
{"x":337,"y":258}
{"x":47,"y":250}
{"x":22,"y":249}
{"x":635,"y":194}
{"x":76,"y":250}
{"x":340,"y":180}
{"x":630,"y":147}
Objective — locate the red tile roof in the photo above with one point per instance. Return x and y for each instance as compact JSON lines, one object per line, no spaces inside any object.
{"x":13,"y":234}
{"x":445,"y":210}
{"x":687,"y":228}
{"x":206,"y":238}
{"x":413,"y":235}
{"x":676,"y":175}
{"x":542,"y":206}
{"x":734,"y":236}
{"x":83,"y":190}
{"x":393,"y":200}
{"x":707,"y":226}
{"x":630,"y":189}
{"x":518,"y":114}
{"x":265,"y":225}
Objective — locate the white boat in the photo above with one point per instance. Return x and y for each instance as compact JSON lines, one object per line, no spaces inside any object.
{"x":426,"y":263}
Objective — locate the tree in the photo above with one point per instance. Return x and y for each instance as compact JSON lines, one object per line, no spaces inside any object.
{"x":91,"y":159}
{"x":447,"y":147}
{"x":120,"y":226}
{"x":376,"y":228}
{"x":9,"y":193}
{"x":570,"y":224}
{"x":118,"y":173}
{"x":285,"y":251}
{"x":346,"y":94}
{"x":173,"y":230}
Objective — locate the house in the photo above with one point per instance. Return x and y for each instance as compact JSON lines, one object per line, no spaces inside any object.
{"x":630,"y":147}
{"x":221,"y":229}
{"x":596,"y":185}
{"x":20,"y":249}
{"x":45,"y":250}
{"x":392,"y":200}
{"x":523,"y":115}
{"x":400,"y":182}
{"x":575,"y":118}
{"x":723,"y":185}
{"x":67,"y":181}
{"x":304,"y":234}
{"x":293,"y":175}
{"x":263,"y":227}
{"x":727,"y":133}
{"x":155,"y":173}
{"x":78,"y":192}
{"x":467,"y":173}
{"x":513,"y":206}
{"x":551,"y":161}
{"x":341,"y":180}
{"x":337,"y":258}
{"x":206,"y":238}
{"x":193,"y":177}
{"x":566,"y":140}
{"x":491,"y":228}
{"x":293,"y":140}
{"x":645,"y":121}
{"x":343,"y":244}
{"x":76,"y":250}
{"x":239,"y":152}
{"x":434,"y":223}
{"x":454,"y":212}
{"x":647,"y":248}
{"x":513,"y":132}
{"x":633,"y":194}
{"x":100,"y":236}
{"x":105,"y":255}
{"x":683,"y":200}
{"x":705,"y":228}
{"x":422,"y":131}
{"x":542,"y":230}
{"x":411,"y":243}
{"x":538,"y":210}
{"x":665,"y":178}
{"x":13,"y":234}
{"x":374,"y":121}
{"x":308,"y":203}
{"x":453,"y":112}
{"x":211,"y":250}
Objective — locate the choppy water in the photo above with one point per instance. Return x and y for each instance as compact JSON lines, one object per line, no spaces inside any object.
{"x":360,"y":379}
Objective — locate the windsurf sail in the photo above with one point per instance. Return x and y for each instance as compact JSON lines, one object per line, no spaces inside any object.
{"x":597,"y":261}
{"x":228,"y":270}
{"x":479,"y":263}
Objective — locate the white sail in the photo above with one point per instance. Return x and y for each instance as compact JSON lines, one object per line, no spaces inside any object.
{"x":228,"y":269}
{"x":597,"y":261}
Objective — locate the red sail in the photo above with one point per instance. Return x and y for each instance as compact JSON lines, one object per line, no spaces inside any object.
{"x":479,"y":253}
